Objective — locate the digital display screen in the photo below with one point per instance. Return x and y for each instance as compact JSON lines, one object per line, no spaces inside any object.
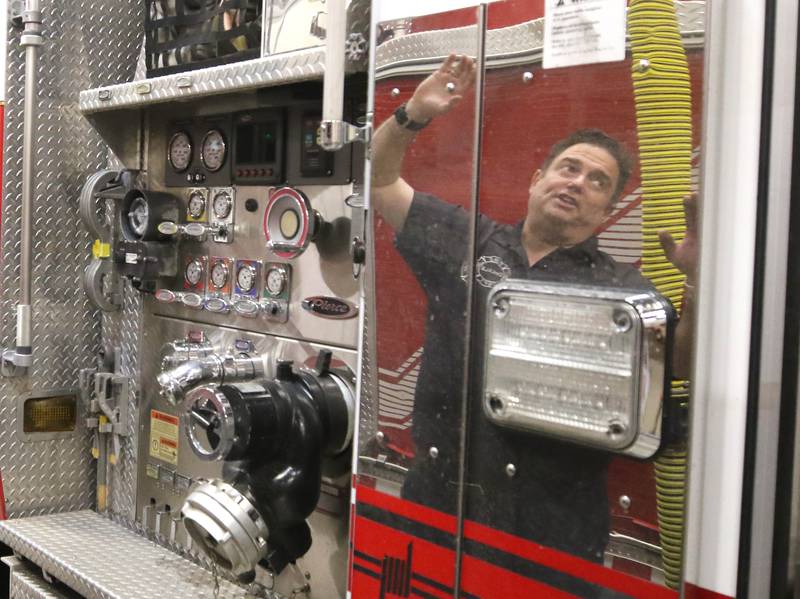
{"x":245,"y":143}
{"x":267,"y":141}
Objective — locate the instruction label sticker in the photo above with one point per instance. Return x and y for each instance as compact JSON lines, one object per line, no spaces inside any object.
{"x":164,"y":436}
{"x":583,"y":32}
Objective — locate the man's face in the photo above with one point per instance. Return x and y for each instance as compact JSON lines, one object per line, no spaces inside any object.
{"x":573,"y":196}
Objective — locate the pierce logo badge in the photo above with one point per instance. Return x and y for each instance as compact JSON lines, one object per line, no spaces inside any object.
{"x":489,"y":270}
{"x":330,"y":307}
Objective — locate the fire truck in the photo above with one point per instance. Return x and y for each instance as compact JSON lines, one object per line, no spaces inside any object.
{"x":223,"y":369}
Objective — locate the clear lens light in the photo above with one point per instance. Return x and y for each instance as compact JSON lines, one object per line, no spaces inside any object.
{"x":577,"y":363}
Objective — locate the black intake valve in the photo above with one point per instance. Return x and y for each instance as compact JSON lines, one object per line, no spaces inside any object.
{"x":273,"y":435}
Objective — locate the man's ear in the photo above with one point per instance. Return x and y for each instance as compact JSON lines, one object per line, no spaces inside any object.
{"x":610,"y":207}
{"x":537,"y":174}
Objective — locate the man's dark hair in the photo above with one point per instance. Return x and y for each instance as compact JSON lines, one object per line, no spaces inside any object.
{"x":595,"y":137}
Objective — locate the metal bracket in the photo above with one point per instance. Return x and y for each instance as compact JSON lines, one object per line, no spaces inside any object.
{"x":10,"y":366}
{"x":16,"y":10}
{"x":333,"y":135}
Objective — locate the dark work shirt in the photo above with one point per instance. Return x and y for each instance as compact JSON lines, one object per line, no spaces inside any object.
{"x":558,"y":494}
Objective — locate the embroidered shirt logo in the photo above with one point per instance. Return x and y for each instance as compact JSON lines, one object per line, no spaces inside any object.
{"x":489,"y":270}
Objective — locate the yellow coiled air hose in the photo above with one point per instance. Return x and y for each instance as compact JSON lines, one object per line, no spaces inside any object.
{"x":662,"y":92}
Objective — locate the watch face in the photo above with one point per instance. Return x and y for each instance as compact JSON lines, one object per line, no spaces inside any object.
{"x":194,"y":272}
{"x":276,"y":281}
{"x":197,"y":205}
{"x":219,"y":275}
{"x":222,"y":204}
{"x":246,"y":277}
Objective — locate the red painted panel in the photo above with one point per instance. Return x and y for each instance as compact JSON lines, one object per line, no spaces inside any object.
{"x":691,"y":591}
{"x":373,"y":541}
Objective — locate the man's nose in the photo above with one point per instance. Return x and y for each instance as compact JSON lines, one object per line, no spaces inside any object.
{"x":577,"y":182}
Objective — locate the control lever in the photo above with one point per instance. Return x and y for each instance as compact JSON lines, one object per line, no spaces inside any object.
{"x":192,"y":231}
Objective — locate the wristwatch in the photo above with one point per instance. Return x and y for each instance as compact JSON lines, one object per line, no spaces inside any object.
{"x":402,"y":118}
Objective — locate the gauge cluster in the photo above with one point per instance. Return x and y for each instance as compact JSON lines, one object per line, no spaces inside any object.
{"x":198,"y":152}
{"x":267,"y":146}
{"x":251,"y":288}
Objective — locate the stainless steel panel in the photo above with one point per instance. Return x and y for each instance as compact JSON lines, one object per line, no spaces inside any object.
{"x":79,"y":52}
{"x":98,"y":558}
{"x":326,"y":562}
{"x":312,"y":274}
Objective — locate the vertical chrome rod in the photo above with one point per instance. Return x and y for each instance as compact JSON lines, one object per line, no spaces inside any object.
{"x":31,"y":39}
{"x":28,"y":157}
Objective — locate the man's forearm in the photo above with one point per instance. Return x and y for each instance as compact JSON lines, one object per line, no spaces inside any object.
{"x":389,"y":145}
{"x":683,"y":348}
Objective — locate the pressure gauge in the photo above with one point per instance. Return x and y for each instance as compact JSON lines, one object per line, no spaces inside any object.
{"x":138,"y":216}
{"x":197,"y":205}
{"x":219,"y":275}
{"x":179,"y":152}
{"x":194,"y":272}
{"x":276,"y":280}
{"x":222,"y":205}
{"x":246,"y":277}
{"x":213,"y":150}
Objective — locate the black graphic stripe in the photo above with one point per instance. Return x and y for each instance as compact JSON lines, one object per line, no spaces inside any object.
{"x":418,"y":577}
{"x":498,"y":557}
{"x":406,"y":525}
{"x":415,"y":591}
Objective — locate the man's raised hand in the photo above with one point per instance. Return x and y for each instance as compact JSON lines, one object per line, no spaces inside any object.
{"x":443,"y":89}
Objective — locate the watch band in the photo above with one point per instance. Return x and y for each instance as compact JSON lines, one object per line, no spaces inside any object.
{"x":402,"y":118}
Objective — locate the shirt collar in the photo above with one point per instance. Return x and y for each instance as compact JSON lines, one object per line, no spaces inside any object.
{"x":511,"y":238}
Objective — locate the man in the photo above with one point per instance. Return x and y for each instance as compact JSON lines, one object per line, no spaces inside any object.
{"x":551,"y":492}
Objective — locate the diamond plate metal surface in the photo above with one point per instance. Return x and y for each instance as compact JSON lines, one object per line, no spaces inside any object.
{"x":123,"y":330}
{"x":26,"y":582}
{"x":74,"y":547}
{"x":415,"y":53}
{"x":273,"y":70}
{"x":78,"y":52}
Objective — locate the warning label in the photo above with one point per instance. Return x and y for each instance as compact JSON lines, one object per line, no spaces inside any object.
{"x":583,"y":32}
{"x":164,"y":436}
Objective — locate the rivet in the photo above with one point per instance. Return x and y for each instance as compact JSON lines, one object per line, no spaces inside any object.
{"x":395,"y":92}
{"x":625,"y":502}
{"x":433,"y":452}
{"x":527,"y":77}
{"x":643,"y":66}
{"x":379,"y":436}
{"x":511,"y":470}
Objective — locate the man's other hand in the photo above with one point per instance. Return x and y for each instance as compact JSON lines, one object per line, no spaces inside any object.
{"x":443,"y":89}
{"x":684,"y":254}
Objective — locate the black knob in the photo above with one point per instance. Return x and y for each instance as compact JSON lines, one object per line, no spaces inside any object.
{"x":358,"y":251}
{"x":251,"y":205}
{"x":284,"y":371}
{"x":323,"y":361}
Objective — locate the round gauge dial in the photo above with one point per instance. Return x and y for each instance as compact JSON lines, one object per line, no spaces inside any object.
{"x":193,"y":272}
{"x":138,"y":216}
{"x":179,"y":152}
{"x":213,"y":150}
{"x":197,"y":205}
{"x":276,"y":281}
{"x":219,"y":275}
{"x":246,"y":277}
{"x":222,"y":204}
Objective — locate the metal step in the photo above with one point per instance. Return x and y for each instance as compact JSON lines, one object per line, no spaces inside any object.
{"x":98,"y":558}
